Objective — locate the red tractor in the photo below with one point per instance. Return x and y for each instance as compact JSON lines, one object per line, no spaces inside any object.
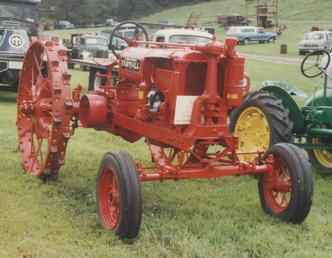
{"x":178,"y":98}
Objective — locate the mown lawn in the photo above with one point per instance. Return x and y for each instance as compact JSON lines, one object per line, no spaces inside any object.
{"x":215,"y":218}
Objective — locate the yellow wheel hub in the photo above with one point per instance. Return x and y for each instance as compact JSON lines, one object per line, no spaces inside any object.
{"x":324,"y":157}
{"x":253,"y":131}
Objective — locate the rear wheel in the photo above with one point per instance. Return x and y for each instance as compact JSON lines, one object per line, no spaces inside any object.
{"x":260,"y":122}
{"x":44,"y":109}
{"x":119,"y":195}
{"x":320,"y":158}
{"x":287,"y":192}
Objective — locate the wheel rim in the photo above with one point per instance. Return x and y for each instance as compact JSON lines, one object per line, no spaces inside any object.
{"x":42,"y":121}
{"x":109,"y":199}
{"x":324,"y":157}
{"x":253,"y":132}
{"x":277,"y":187}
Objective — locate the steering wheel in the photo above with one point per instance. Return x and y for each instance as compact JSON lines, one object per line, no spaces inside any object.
{"x":314,"y":64}
{"x":138,"y":27}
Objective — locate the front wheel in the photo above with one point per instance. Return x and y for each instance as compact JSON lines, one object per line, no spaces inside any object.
{"x":321,"y":158}
{"x":119,"y":195}
{"x":286,"y":193}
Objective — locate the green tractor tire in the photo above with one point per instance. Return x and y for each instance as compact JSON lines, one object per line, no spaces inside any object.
{"x":321,"y":159}
{"x":260,"y":122}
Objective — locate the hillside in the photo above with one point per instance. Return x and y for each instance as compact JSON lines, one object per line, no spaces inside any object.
{"x":295,"y":10}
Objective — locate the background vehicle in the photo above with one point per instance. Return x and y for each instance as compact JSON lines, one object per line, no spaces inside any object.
{"x":233,"y":20}
{"x":64,"y":25}
{"x":17,"y":26}
{"x":315,"y":40}
{"x":183,"y":36}
{"x":87,"y":46}
{"x":247,"y":34}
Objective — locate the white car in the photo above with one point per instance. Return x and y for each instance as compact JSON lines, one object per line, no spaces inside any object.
{"x":183,"y":36}
{"x":315,"y":40}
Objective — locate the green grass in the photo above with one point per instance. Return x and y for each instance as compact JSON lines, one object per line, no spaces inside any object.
{"x":216,"y":218}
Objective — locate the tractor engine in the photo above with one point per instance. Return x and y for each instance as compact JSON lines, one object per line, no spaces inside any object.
{"x":173,"y":87}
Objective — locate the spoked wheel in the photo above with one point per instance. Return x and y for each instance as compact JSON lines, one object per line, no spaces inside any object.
{"x":119,"y":195}
{"x":260,"y":122}
{"x":320,"y":158}
{"x":43,"y":109}
{"x":286,"y":193}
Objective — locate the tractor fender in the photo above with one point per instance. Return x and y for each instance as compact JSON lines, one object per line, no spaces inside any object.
{"x":295,"y":113}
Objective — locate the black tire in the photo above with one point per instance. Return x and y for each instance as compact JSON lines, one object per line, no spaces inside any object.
{"x":302,"y":187}
{"x":272,"y":40}
{"x":130,"y":208}
{"x":280,"y":125}
{"x":321,"y":160}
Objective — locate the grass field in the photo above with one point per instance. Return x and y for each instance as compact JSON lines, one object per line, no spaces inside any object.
{"x":193,"y":219}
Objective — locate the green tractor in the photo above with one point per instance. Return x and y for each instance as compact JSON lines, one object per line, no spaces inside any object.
{"x":277,"y":117}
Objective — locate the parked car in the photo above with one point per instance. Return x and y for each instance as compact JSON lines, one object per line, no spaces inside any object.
{"x":315,"y":40}
{"x":87,"y":46}
{"x":17,"y":27}
{"x":62,"y":25}
{"x":233,"y":20}
{"x":110,"y":22}
{"x":183,"y":36}
{"x":246,"y":34}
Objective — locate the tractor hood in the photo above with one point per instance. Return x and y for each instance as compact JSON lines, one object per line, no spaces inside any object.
{"x":318,"y":99}
{"x":185,"y":54}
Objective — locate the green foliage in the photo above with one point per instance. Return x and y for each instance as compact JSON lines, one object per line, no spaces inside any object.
{"x":96,"y":11}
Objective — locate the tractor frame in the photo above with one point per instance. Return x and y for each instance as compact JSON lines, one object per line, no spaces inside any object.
{"x":178,"y":98}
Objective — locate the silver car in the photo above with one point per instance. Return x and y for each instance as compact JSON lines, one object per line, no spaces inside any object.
{"x":315,"y":40}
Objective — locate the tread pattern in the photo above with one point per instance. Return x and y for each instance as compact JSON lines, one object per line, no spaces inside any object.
{"x":130,"y":191}
{"x":302,"y":184}
{"x":278,"y":116}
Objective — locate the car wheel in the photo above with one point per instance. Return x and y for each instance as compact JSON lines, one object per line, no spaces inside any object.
{"x":245,"y":41}
{"x":272,"y":40}
{"x":301,"y":52}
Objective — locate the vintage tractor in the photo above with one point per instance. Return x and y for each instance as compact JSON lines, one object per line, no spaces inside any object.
{"x":175,"y":96}
{"x":309,"y":127}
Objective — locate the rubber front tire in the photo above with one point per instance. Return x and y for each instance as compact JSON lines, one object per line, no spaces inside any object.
{"x":287,"y":192}
{"x":276,"y":124}
{"x":321,"y":159}
{"x":119,"y":195}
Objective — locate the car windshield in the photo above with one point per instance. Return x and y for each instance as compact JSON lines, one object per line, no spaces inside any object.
{"x":189,"y":39}
{"x":18,"y":10}
{"x":248,"y":30}
{"x":314,"y":36}
{"x":95,"y":41}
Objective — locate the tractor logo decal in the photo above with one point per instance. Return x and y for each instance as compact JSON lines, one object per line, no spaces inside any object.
{"x":16,"y":41}
{"x":131,"y":64}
